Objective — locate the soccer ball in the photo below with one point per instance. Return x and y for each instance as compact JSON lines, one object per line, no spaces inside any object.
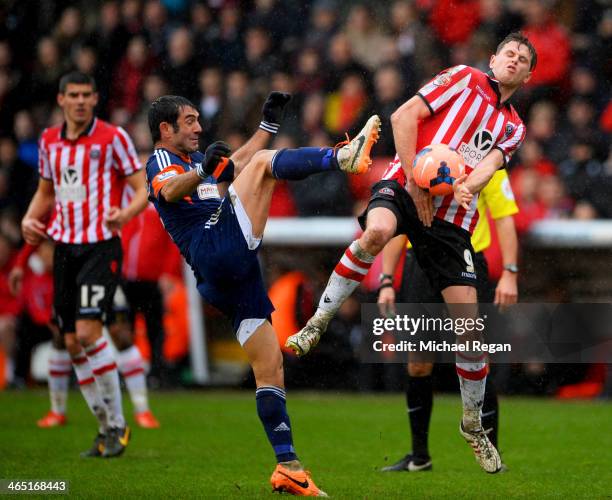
{"x":436,"y":167}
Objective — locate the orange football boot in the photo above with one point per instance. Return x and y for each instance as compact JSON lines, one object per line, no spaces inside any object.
{"x":294,"y":482}
{"x":52,"y":419}
{"x":146,"y":420}
{"x":354,"y":155}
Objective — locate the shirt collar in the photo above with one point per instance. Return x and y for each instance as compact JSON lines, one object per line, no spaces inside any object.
{"x":494,"y":83}
{"x":85,"y":132}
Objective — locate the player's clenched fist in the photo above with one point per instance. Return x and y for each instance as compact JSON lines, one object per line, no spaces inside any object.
{"x":212,"y":157}
{"x":273,"y":111}
{"x":33,"y":231}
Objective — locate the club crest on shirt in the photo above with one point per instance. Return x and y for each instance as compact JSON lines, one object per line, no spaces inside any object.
{"x":387,"y":191}
{"x":509,"y":130}
{"x":443,"y":79}
{"x":94,"y":154}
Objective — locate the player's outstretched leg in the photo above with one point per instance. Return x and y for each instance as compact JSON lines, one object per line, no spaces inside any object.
{"x":60,"y":368}
{"x":346,"y":277}
{"x":267,"y":363}
{"x":255,"y":184}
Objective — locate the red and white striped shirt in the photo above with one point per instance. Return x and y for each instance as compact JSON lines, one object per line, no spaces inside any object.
{"x":466,"y":115}
{"x":88,"y":175}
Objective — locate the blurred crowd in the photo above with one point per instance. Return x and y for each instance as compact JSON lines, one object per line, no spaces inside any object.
{"x":341,"y":60}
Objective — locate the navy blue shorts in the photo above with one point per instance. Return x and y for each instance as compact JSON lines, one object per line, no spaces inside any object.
{"x":225,"y":258}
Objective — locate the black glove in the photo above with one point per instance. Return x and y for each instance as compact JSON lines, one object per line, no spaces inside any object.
{"x":273,"y":111}
{"x":212,"y":157}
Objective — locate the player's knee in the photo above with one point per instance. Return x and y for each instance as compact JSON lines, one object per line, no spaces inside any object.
{"x":270,"y":370}
{"x":377,"y":234}
{"x":262,"y":159}
{"x":88,"y":331}
{"x":420,"y":369}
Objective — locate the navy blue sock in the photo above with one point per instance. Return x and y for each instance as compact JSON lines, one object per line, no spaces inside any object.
{"x":272,"y":412}
{"x":297,"y":164}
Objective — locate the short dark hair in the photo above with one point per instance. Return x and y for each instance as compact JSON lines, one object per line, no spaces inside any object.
{"x":166,"y":108}
{"x":521,"y":39}
{"x":76,"y":77}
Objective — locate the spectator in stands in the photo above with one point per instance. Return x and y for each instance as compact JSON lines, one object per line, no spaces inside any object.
{"x":210,"y":103}
{"x":180,"y":65}
{"x":309,"y":71}
{"x":20,"y":179}
{"x":67,"y":34}
{"x":340,"y":57}
{"x":415,"y":44}
{"x":25,"y":133}
{"x":365,"y":35}
{"x":242,"y":105}
{"x":130,"y":74}
{"x":204,"y":31}
{"x":156,"y":27}
{"x":579,"y":118}
{"x":586,"y":179}
{"x":552,"y":44}
{"x":48,"y":67}
{"x":343,"y":107}
{"x":226,"y":48}
{"x":389,"y":94}
{"x":260,"y":60}
{"x":454,"y":21}
{"x":323,"y":25}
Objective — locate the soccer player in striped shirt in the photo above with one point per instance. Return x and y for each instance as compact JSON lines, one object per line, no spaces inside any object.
{"x":84,"y":166}
{"x":469,"y":111}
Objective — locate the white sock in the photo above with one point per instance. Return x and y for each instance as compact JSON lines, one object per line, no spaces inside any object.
{"x":89,"y":389}
{"x":60,"y":368}
{"x":106,"y":374}
{"x":131,"y":368}
{"x":345,"y":278}
{"x":472,"y":371}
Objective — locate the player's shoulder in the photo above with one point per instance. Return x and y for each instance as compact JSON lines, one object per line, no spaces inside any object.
{"x":446,"y":76}
{"x":102,"y":127}
{"x":51,"y":134}
{"x":163,"y":158}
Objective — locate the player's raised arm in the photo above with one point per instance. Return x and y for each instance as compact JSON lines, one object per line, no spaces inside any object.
{"x":174,"y":184}
{"x":405,"y":122}
{"x":272,"y":114}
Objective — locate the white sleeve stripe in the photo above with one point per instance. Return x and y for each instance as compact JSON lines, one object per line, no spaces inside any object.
{"x":131,"y":149}
{"x":126,"y":166}
{"x":160,"y":166}
{"x":167,"y":157}
{"x":512,"y":141}
{"x":454,"y":90}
